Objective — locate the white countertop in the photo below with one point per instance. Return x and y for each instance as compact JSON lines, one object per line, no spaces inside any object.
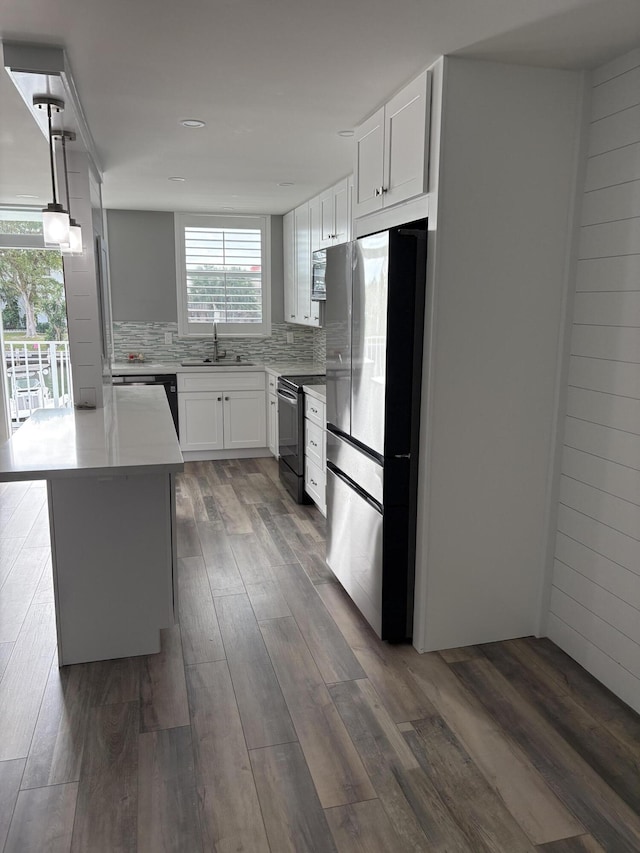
{"x":144,"y":368}
{"x":132,"y":434}
{"x":317,"y":391}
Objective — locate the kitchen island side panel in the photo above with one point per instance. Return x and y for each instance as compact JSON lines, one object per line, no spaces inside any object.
{"x":113,"y":555}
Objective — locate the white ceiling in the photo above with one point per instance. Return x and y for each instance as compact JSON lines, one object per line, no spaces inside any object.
{"x":274,"y":80}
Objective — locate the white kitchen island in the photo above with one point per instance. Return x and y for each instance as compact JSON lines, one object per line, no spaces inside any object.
{"x":110,"y":487}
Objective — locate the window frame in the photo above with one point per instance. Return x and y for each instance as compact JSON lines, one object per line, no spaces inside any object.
{"x":214,"y":220}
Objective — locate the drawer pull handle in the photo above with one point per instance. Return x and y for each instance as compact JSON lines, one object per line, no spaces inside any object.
{"x":313,"y":482}
{"x":273,"y":402}
{"x":311,"y":441}
{"x":315,"y":411}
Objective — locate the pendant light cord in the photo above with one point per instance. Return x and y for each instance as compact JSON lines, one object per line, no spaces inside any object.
{"x":66,"y":174}
{"x":53,"y":174}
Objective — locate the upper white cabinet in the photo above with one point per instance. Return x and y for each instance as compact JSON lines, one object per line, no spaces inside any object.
{"x":335,"y":215}
{"x":392,"y":150}
{"x":290,"y":291}
{"x":302,"y":242}
{"x":315,"y":223}
{"x":323,"y":221}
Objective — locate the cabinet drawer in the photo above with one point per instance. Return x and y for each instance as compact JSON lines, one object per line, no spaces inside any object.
{"x":221,"y":381}
{"x":272,"y":383}
{"x":314,"y":443}
{"x":314,"y":411}
{"x":315,"y":484}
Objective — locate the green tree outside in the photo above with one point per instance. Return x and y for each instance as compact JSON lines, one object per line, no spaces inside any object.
{"x":26,"y":278}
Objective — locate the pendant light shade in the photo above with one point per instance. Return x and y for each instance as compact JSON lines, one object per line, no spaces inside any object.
{"x":74,"y":247}
{"x":55,"y":225}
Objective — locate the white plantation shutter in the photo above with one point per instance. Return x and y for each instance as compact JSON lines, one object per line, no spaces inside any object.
{"x":222,"y":274}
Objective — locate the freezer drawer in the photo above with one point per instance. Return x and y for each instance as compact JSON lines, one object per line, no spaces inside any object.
{"x":354,"y":547}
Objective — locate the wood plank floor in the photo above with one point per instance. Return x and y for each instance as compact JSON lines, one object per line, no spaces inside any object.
{"x":273,"y":720}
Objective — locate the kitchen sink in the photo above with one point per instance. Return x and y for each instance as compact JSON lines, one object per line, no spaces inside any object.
{"x":209,"y":362}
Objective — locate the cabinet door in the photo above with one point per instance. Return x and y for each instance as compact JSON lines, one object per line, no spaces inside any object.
{"x":303,"y":263}
{"x":288,"y":246}
{"x":369,"y":158}
{"x":244,"y":419}
{"x":341,"y":214}
{"x":200,"y":418}
{"x":326,"y":219}
{"x":406,"y":142}
{"x":272,"y":424}
{"x":315,"y":224}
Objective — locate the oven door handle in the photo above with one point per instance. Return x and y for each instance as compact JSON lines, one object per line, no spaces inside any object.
{"x":287,"y":396}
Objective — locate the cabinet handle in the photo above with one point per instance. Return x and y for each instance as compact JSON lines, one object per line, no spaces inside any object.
{"x":227,"y":399}
{"x":311,"y":441}
{"x":315,"y":411}
{"x":292,"y":316}
{"x":383,"y":190}
{"x":376,"y":191}
{"x":306,"y":316}
{"x":272,"y":403}
{"x":219,"y":399}
{"x":312,"y":481}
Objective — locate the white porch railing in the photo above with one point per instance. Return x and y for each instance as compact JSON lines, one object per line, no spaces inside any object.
{"x":38,"y":376}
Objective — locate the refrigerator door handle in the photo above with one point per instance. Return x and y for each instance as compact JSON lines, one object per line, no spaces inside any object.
{"x":356,"y":488}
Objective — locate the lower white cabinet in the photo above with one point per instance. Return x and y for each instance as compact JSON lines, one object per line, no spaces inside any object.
{"x":315,"y":459}
{"x":219,"y":411}
{"x":272,"y":424}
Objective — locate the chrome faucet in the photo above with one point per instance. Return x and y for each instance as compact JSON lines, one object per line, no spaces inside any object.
{"x":217,"y":355}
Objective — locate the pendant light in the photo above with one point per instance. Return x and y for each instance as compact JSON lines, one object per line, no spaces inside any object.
{"x":55,"y":219}
{"x":74,"y":245}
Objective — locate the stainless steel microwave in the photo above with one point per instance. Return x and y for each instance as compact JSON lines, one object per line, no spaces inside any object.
{"x":318,"y":267}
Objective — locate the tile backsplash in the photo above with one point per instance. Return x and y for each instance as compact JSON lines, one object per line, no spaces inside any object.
{"x":149,"y":339}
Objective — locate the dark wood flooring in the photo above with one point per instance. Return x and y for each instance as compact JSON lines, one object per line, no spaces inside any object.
{"x":274,"y":720}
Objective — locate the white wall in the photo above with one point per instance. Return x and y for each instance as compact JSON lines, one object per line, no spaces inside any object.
{"x":594,"y":612}
{"x":498,"y":276}
{"x":81,"y":289}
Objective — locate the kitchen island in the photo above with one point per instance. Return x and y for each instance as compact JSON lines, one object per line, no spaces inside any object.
{"x":111,"y":495}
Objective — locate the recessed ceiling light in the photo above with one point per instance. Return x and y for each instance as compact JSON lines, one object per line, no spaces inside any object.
{"x":192,"y":122}
{"x":346,"y":133}
{"x":286,"y":183}
{"x":176,"y":178}
{"x":26,"y":195}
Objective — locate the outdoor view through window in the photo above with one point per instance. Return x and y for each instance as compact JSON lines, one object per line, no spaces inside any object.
{"x":34,"y":320}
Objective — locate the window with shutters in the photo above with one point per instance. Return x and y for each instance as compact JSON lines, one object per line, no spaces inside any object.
{"x":223,"y":267}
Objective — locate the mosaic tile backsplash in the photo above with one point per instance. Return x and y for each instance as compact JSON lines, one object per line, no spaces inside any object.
{"x":148,"y":339}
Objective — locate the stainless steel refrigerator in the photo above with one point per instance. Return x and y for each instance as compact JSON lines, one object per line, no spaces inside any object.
{"x":374,"y":323}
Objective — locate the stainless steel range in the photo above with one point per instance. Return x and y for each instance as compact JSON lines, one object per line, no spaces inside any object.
{"x":291,"y":432}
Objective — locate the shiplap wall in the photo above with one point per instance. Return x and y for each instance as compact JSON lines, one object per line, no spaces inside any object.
{"x":595,"y":599}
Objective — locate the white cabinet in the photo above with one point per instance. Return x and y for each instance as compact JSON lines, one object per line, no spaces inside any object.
{"x":323,"y":221}
{"x":335,"y":215}
{"x":302,"y":254}
{"x":272,"y":424}
{"x":315,"y":460}
{"x":290,"y":290}
{"x":201,"y":420}
{"x":272,"y":413}
{"x":392,"y":150}
{"x":221,"y":411}
{"x":315,"y":223}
